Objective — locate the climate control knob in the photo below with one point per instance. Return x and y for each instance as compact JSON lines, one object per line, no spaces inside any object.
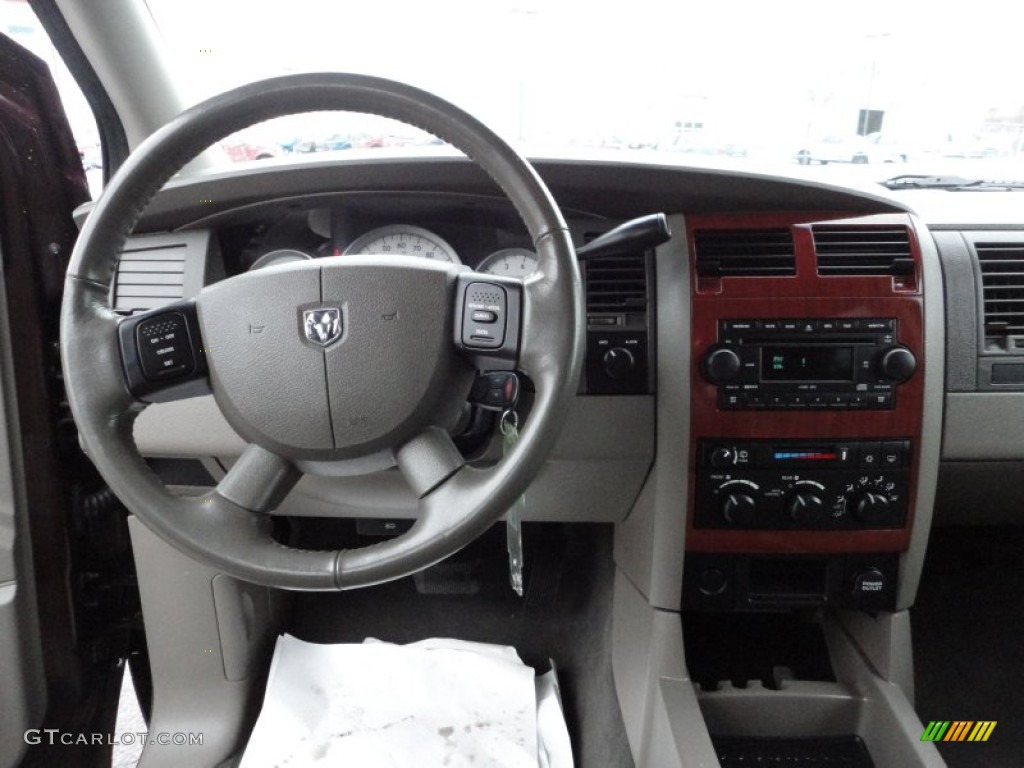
{"x":739,"y":509}
{"x":897,"y":364}
{"x":871,"y":508}
{"x":723,"y":457}
{"x":807,"y":509}
{"x":721,"y":365}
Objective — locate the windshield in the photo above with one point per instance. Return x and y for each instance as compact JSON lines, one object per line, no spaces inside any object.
{"x":895,"y":87}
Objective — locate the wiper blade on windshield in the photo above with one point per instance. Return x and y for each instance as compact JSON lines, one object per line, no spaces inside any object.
{"x":913,"y":181}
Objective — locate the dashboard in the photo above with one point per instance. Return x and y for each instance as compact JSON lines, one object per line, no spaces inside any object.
{"x":778,"y":391}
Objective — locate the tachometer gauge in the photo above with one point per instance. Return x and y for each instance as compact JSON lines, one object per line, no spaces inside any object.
{"x":510,"y":262}
{"x":403,"y":240}
{"x":280,"y":256}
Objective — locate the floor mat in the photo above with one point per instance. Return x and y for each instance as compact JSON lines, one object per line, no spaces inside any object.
{"x":565,"y":615}
{"x":968,"y":629}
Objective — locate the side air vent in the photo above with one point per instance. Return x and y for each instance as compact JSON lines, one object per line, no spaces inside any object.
{"x":861,"y":251}
{"x":744,"y":252}
{"x":616,"y":283}
{"x":1002,"y":281}
{"x":149,"y":274}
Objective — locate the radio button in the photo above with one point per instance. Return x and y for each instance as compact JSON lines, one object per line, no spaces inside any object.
{"x":877,"y":324}
{"x":731,"y":400}
{"x":740,"y":325}
{"x":880,"y":400}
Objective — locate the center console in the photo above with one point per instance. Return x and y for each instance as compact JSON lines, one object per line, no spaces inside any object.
{"x":807,"y":414}
{"x":806,"y":410}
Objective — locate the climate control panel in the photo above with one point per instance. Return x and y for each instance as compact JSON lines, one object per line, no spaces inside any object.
{"x":802,"y":484}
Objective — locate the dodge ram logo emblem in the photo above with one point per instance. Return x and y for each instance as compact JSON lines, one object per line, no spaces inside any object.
{"x":322,"y":326}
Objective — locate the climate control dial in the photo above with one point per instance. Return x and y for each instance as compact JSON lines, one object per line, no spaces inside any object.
{"x":807,"y":509}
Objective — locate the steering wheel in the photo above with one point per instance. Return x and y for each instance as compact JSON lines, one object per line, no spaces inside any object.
{"x":339,"y":360}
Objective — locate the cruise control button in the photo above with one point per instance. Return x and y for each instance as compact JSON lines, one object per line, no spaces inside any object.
{"x":164,"y":347}
{"x":484,"y":316}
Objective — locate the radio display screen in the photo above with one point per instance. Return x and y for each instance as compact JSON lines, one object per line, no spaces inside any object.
{"x":806,"y":363}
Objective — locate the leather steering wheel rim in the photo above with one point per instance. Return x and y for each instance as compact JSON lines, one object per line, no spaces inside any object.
{"x":230,"y":528}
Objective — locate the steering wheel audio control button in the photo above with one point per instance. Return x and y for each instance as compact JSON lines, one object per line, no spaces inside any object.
{"x":165,"y":350}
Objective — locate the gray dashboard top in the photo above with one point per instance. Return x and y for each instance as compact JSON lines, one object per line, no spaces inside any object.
{"x":610,"y":188}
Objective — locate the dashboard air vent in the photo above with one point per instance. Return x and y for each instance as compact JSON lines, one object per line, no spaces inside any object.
{"x":744,"y":252}
{"x":149,"y":275}
{"x":861,"y":251}
{"x":616,"y":283}
{"x":1002,"y":281}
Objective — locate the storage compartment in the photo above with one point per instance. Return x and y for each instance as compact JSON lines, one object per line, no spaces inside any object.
{"x":792,"y":688}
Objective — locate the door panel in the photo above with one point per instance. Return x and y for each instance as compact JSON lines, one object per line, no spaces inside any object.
{"x":41,"y":180}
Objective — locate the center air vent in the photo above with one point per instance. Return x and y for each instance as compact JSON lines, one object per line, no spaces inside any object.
{"x":861,"y":251}
{"x":744,"y":252}
{"x":1002,"y":281}
{"x":616,"y":283}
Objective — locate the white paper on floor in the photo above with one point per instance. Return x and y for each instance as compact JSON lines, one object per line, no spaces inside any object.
{"x":444,"y":703}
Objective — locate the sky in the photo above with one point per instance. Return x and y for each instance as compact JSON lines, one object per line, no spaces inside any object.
{"x":579,"y":72}
{"x":566,"y":69}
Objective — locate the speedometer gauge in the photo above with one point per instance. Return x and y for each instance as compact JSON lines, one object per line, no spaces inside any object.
{"x":403,"y":240}
{"x":509,"y":262}
{"x":281,"y":256}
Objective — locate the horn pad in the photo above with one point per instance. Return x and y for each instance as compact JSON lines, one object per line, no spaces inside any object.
{"x":335,"y":358}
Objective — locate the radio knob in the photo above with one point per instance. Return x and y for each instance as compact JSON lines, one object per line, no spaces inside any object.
{"x":721,"y":365}
{"x":617,"y":363}
{"x":897,"y":364}
{"x":871,"y":508}
{"x":739,"y":509}
{"x":807,"y":509}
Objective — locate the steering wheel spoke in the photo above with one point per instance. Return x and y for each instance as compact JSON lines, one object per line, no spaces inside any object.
{"x":259,"y":481}
{"x":428,"y":460}
{"x":162,"y":353}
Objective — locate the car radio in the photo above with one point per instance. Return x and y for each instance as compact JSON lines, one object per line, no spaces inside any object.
{"x":808,"y":363}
